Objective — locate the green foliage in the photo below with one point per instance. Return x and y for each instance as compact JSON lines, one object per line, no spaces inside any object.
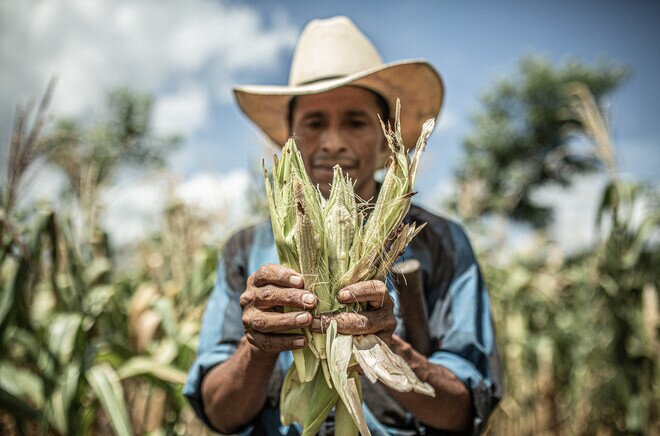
{"x":521,"y":139}
{"x":87,"y":347}
{"x":91,"y":157}
{"x":578,"y":333}
{"x":74,"y":336}
{"x":120,"y":137}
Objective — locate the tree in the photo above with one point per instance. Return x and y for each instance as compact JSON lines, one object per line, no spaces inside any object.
{"x":92,"y":157}
{"x":522,"y":139}
{"x":577,"y":333}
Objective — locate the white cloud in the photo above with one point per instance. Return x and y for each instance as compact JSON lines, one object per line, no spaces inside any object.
{"x":447,"y":121}
{"x":182,"y":112}
{"x":133,"y":209}
{"x":575,"y":208}
{"x":215,"y":193}
{"x":151,"y":45}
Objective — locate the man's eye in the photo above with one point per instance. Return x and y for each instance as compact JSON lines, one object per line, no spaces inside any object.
{"x":356,"y":124}
{"x":313,"y":124}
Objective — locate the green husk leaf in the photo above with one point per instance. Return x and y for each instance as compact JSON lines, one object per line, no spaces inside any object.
{"x":308,"y":403}
{"x":344,"y":424}
{"x":339,"y":349}
{"x":306,"y":362}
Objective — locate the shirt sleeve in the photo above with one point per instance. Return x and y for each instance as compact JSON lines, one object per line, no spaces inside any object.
{"x":462,"y":325}
{"x":222,"y":327}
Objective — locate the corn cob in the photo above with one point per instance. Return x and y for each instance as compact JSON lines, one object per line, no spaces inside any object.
{"x":340,"y":218}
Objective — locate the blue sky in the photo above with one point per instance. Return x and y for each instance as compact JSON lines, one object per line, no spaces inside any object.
{"x":189,"y":54}
{"x":474,"y":43}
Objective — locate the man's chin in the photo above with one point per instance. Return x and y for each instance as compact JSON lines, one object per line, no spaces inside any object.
{"x":323,"y":177}
{"x":322,"y":174}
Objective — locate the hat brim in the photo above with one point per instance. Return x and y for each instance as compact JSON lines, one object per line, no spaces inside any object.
{"x":415,"y":82}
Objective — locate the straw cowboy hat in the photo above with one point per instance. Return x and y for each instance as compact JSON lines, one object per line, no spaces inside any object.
{"x":332,"y":53}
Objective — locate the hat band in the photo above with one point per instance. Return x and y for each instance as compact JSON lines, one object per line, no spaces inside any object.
{"x":322,"y":79}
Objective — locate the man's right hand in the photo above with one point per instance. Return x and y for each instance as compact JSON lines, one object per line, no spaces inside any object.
{"x":269,"y":290}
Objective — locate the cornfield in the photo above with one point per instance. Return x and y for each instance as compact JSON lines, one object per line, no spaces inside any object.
{"x":90,"y":346}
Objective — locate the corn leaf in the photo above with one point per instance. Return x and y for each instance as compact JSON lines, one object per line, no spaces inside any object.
{"x":145,"y":366}
{"x":107,"y":387}
{"x":19,"y":407}
{"x":96,"y":300}
{"x":165,"y":307}
{"x":6,"y":302}
{"x":21,"y":383}
{"x":62,"y":335}
{"x":97,"y":270}
{"x":308,"y":403}
{"x":380,"y":363}
{"x":339,"y":349}
{"x":62,"y":398}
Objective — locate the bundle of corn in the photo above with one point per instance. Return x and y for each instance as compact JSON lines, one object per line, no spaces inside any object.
{"x":330,"y":244}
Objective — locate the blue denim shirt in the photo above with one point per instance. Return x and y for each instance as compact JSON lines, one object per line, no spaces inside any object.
{"x":459,"y":323}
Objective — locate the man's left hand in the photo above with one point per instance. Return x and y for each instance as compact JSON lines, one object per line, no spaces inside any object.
{"x":378,"y":318}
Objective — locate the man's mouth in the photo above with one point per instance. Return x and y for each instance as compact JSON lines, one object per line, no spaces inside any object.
{"x":325,"y":171}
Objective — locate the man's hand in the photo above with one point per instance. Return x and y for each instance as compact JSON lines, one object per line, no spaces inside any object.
{"x":378,"y":318}
{"x":269,"y":290}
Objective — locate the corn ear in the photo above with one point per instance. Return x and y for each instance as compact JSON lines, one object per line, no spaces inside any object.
{"x":340,"y":218}
{"x":332,"y":246}
{"x":307,"y":240}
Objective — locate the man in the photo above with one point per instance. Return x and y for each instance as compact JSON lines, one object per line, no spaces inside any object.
{"x":337,"y":87}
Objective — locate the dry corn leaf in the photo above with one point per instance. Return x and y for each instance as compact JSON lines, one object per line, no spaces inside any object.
{"x":380,"y":363}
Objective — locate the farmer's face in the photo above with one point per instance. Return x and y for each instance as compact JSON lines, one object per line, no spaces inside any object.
{"x":339,"y":127}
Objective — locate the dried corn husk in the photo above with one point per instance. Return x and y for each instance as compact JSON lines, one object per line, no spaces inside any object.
{"x":330,"y":244}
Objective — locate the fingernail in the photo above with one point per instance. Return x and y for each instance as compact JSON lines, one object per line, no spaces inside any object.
{"x":299,"y":343}
{"x":344,"y":295}
{"x":302,"y":318}
{"x":316,"y":324}
{"x":295,"y":280}
{"x":309,"y":299}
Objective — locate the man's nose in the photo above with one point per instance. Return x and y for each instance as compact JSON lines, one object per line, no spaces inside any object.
{"x":333,"y":141}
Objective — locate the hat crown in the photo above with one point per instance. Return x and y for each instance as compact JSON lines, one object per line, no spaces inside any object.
{"x":331,"y":48}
